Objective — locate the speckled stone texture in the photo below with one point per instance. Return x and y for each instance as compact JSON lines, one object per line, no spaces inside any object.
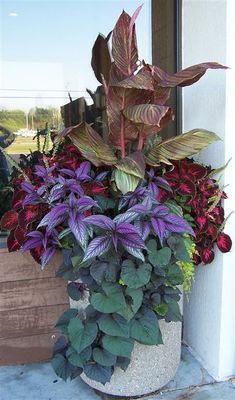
{"x":151,"y":367}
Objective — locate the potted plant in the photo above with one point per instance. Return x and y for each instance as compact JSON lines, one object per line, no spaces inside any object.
{"x":128,"y":226}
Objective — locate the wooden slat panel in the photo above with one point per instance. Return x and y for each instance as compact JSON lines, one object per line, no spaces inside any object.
{"x":32,"y":293}
{"x":27,"y":349}
{"x":29,"y":321}
{"x":17,"y":266}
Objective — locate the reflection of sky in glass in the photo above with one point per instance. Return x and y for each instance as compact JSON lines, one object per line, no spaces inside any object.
{"x":46,"y":46}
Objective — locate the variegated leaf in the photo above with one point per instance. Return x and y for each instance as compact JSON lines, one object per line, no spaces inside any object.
{"x":133,"y":164}
{"x":124,"y":46}
{"x":142,"y":80}
{"x":90,"y":143}
{"x":185,"y":77}
{"x":179,"y":147}
{"x":125,"y":182}
{"x":152,"y":117}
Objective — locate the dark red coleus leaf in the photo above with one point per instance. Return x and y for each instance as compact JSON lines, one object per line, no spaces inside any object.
{"x":186,"y":188}
{"x":18,"y":199}
{"x":9,"y":220}
{"x":197,"y":171}
{"x":12,"y":242}
{"x":207,"y":255}
{"x":28,"y":215}
{"x":224,"y":242}
{"x":196,"y":259}
{"x":37,"y":253}
{"x":212,"y":230}
{"x":20,"y":234}
{"x":202,"y":222}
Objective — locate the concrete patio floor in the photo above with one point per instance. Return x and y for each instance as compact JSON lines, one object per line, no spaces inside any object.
{"x":38,"y":382}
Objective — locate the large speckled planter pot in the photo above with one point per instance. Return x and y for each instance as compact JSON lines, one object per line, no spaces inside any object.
{"x":151,"y":367}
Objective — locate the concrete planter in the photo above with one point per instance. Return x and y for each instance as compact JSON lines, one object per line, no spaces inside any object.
{"x":151,"y":367}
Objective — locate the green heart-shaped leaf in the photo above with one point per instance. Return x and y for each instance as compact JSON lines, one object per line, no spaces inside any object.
{"x":118,"y":346}
{"x":114,"y":325}
{"x":81,"y":335}
{"x":135,"y":275}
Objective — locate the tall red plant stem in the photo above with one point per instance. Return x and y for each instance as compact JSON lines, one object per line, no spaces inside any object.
{"x":122,"y":133}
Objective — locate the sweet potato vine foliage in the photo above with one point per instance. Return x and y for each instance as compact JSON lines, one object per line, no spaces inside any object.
{"x":128,"y":215}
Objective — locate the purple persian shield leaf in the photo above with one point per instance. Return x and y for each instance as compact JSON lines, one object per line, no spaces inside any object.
{"x":160,"y":211}
{"x":41,"y":190}
{"x":161,"y":182}
{"x":31,"y":199}
{"x":57,"y":192}
{"x":97,"y":247}
{"x":85,"y":203}
{"x":153,"y":189}
{"x":125,"y":229}
{"x":74,"y":186}
{"x":35,"y":234}
{"x":32,"y":243}
{"x":174,"y":223}
{"x":132,"y":240}
{"x":100,"y":177}
{"x":159,"y":228}
{"x":143,"y":228}
{"x":82,"y":173}
{"x":27,"y":187}
{"x":78,"y":228}
{"x":126,"y":217}
{"x":47,"y":255}
{"x":101,"y":221}
{"x":135,"y":252}
{"x":57,"y":215}
{"x":68,"y":172}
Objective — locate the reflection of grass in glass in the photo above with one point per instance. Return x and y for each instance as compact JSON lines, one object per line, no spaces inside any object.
{"x":23,"y":145}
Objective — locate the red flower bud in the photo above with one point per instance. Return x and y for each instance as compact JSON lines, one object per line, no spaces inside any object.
{"x":224,"y":242}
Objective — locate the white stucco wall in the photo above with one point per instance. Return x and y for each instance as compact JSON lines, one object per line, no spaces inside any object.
{"x":208,"y":33}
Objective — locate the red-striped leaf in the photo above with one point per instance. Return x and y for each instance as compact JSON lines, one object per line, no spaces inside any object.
{"x":90,"y":143}
{"x":20,"y":234}
{"x":150,"y":116}
{"x":26,"y":216}
{"x":9,"y":220}
{"x":224,"y":242}
{"x":186,"y":188}
{"x":124,"y":46}
{"x":133,"y":164}
{"x":185,"y":77}
{"x":12,"y":243}
{"x":18,"y":199}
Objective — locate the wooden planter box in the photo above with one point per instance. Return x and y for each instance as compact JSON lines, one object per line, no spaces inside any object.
{"x":31,"y":301}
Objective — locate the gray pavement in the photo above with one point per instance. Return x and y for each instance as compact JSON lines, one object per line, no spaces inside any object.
{"x":38,"y":382}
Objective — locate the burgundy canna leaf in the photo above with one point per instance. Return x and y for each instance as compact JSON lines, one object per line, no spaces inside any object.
{"x":124,"y":47}
{"x":9,"y":220}
{"x":97,"y":247}
{"x":185,"y":77}
{"x":12,"y":243}
{"x":224,"y":242}
{"x":101,"y":60}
